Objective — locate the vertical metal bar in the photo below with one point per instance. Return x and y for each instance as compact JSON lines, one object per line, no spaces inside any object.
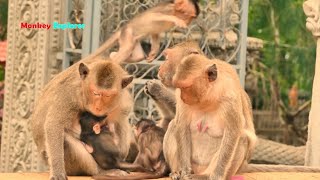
{"x":87,"y":32}
{"x":242,"y":56}
{"x":66,"y":55}
{"x":95,"y":43}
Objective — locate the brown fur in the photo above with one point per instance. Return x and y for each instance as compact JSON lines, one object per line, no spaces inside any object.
{"x":218,"y":104}
{"x":164,"y":96}
{"x":229,"y":153}
{"x":55,"y":123}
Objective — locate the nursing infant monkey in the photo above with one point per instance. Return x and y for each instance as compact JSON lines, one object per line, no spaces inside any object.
{"x":150,"y":157}
{"x":152,"y":22}
{"x":212,"y":135}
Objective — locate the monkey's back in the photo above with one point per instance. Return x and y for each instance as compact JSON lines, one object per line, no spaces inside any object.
{"x":105,"y":151}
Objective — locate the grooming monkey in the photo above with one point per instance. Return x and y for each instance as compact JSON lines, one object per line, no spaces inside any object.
{"x":151,"y":23}
{"x":99,"y":141}
{"x":150,"y":156}
{"x":164,"y":94}
{"x":96,"y":86}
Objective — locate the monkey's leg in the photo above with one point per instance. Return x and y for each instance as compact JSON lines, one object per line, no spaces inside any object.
{"x":127,"y":43}
{"x":155,"y":46}
{"x":172,"y":153}
{"x":222,"y":167}
{"x":78,"y":160}
{"x":137,"y":54}
{"x":164,"y":98}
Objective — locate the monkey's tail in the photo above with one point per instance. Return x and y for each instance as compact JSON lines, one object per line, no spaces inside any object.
{"x":137,"y":176}
{"x":108,"y":44}
{"x":278,"y":168}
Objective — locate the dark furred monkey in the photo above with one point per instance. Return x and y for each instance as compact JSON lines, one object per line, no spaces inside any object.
{"x":150,"y":156}
{"x":150,"y":23}
{"x":99,"y":136}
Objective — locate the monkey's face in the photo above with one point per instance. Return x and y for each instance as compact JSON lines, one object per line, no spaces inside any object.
{"x":101,"y":102}
{"x":193,"y":77}
{"x":173,"y":57}
{"x":168,"y":68}
{"x":102,"y":87}
{"x":192,"y":89}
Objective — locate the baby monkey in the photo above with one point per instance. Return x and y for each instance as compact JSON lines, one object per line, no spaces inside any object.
{"x":99,"y":141}
{"x":150,"y":23}
{"x":150,"y":156}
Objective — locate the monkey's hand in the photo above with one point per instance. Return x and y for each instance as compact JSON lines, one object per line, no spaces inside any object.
{"x":153,"y":88}
{"x":180,"y":23}
{"x":96,"y":128}
{"x":61,"y":176}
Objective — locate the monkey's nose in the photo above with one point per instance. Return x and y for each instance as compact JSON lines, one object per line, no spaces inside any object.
{"x":98,"y":109}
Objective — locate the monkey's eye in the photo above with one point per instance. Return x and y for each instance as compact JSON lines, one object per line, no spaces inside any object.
{"x":96,"y":94}
{"x":194,"y":52}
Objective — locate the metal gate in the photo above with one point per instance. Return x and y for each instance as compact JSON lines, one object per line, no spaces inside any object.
{"x":220,"y":29}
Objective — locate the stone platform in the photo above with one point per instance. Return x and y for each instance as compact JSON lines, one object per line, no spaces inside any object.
{"x":248,"y":176}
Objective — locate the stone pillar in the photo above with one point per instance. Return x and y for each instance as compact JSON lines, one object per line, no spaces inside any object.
{"x":311,"y":9}
{"x":31,"y":63}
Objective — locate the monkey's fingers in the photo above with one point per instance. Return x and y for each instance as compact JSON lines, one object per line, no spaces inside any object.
{"x":96,"y":128}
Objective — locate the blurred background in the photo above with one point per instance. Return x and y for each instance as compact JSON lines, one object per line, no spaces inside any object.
{"x":279,"y":60}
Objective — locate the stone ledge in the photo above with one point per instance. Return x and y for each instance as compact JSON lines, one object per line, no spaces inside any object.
{"x":247,"y":176}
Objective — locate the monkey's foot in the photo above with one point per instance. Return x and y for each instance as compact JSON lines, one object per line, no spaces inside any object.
{"x":180,"y":23}
{"x":59,"y":176}
{"x":180,"y":175}
{"x":153,"y":88}
{"x":151,"y":57}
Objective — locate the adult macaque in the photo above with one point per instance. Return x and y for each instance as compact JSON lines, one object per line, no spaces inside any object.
{"x":151,"y":23}
{"x":213,"y":125}
{"x":150,"y":156}
{"x":98,"y":138}
{"x":212,"y":135}
{"x":96,"y":86}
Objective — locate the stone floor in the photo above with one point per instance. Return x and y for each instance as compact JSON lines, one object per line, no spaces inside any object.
{"x":249,"y":176}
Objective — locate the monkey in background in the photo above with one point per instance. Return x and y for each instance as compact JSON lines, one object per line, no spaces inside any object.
{"x":152,"y":22}
{"x":150,"y":142}
{"x":93,"y":85}
{"x":163,"y":93}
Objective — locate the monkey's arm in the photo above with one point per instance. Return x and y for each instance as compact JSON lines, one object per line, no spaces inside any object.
{"x":220,"y":167}
{"x":183,"y":136}
{"x":169,"y":18}
{"x":54,"y":134}
{"x":164,"y":99}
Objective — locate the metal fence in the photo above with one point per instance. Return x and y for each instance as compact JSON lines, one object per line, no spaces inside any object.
{"x":220,"y":29}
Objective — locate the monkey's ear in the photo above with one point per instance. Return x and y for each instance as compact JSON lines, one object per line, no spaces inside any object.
{"x":212,"y":72}
{"x":83,"y":70}
{"x":126,"y":81}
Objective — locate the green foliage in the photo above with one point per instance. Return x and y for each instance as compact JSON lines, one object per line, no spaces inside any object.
{"x":290,"y":53}
{"x":3,"y":19}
